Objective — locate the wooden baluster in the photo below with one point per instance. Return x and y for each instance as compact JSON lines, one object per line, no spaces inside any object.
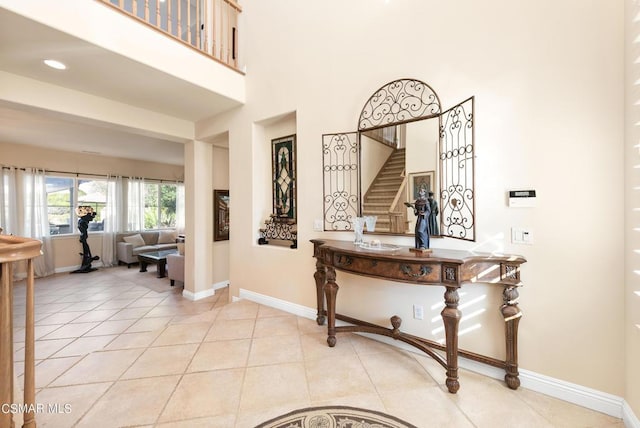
{"x":158,"y":17}
{"x":189,"y":21}
{"x":169,"y":18}
{"x":179,"y":21}
{"x":198,"y":26}
{"x":6,"y":342}
{"x":214,"y":28}
{"x":228,"y":61}
{"x":234,"y":38}
{"x":146,"y":11}
{"x":221,"y":46}
{"x":29,"y":353}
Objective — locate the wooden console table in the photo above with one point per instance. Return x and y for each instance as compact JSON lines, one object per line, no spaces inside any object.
{"x":14,"y":249}
{"x":448,"y":268}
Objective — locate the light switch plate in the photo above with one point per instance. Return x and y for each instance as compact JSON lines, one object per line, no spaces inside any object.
{"x":318,"y":225}
{"x":521,"y":236}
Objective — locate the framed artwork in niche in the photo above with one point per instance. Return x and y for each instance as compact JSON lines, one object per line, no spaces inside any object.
{"x":283,"y":156}
{"x":220,"y":215}
{"x":419,"y":180}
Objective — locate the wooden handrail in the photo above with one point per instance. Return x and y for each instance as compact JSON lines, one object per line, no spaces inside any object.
{"x":13,"y":249}
{"x":395,"y":225}
{"x":234,"y":5}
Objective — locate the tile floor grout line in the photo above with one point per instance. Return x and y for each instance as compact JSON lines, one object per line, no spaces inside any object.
{"x":245,"y":366}
{"x":184,"y":372}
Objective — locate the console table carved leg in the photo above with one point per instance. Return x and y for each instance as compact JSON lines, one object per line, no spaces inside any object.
{"x":512,"y":315}
{"x":331,"y":290}
{"x":451,"y":317}
{"x":320,"y":277}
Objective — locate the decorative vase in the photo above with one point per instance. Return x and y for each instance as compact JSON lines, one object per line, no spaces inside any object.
{"x":358,"y":228}
{"x":370,"y":221}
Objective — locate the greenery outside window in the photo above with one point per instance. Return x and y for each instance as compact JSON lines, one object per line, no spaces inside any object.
{"x":159,"y":205}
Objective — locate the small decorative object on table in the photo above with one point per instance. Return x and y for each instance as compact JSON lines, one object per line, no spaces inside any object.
{"x":358,"y":228}
{"x":85,"y":215}
{"x":370,"y":221}
{"x":422,"y":210}
{"x":279,"y":228}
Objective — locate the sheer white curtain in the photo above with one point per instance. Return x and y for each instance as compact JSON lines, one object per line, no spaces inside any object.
{"x":31,"y":186}
{"x":180,"y":208}
{"x":113,"y":222}
{"x":8,"y":203}
{"x":135,"y":204}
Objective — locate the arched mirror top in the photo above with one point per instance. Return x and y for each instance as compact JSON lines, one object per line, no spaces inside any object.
{"x":400,"y":101}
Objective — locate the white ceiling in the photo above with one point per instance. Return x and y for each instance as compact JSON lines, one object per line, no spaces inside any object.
{"x":23,"y":46}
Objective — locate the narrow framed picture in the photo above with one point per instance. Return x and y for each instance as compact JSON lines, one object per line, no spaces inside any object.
{"x":220,"y":215}
{"x":283,"y":153}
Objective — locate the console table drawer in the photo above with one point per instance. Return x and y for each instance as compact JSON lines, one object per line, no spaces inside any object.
{"x":415,"y":272}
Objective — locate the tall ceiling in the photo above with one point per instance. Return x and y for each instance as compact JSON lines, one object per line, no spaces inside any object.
{"x":24,"y":44}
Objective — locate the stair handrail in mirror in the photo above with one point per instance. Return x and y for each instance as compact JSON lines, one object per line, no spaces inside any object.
{"x":397,"y":211}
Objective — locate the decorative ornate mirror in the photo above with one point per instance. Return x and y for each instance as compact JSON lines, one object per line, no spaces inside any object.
{"x":404,"y":142}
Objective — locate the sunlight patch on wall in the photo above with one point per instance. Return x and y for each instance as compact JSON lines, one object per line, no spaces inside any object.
{"x":496,"y":241}
{"x":465,"y":318}
{"x":462,"y":332}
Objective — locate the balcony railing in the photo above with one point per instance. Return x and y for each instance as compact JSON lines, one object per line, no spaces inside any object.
{"x":210,"y":26}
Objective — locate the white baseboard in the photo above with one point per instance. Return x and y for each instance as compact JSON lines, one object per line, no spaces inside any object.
{"x":283,"y":305}
{"x":219,"y":285}
{"x":577,"y":394}
{"x":628,"y":417}
{"x":204,"y":293}
{"x":199,"y":295}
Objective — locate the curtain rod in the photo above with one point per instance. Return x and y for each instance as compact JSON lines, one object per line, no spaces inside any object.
{"x":78,"y":174}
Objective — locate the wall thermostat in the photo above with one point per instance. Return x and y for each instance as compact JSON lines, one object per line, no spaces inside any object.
{"x":522,"y":198}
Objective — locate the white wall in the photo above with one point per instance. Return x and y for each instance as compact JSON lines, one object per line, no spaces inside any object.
{"x":376,"y":154}
{"x":632,"y":203}
{"x":549,"y":98}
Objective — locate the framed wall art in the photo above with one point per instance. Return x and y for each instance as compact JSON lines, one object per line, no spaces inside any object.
{"x":419,"y":180}
{"x":220,"y":215}
{"x":283,"y":153}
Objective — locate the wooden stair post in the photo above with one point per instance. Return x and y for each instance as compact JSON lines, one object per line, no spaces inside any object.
{"x":14,"y":249}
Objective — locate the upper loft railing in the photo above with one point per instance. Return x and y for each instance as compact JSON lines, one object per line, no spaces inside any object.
{"x":210,"y":26}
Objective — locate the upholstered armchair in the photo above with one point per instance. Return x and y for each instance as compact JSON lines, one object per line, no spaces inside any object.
{"x":175,"y":268}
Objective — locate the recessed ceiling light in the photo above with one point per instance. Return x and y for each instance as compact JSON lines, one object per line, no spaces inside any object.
{"x":55,"y":64}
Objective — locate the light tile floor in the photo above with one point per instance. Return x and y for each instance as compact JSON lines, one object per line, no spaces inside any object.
{"x":123,"y":348}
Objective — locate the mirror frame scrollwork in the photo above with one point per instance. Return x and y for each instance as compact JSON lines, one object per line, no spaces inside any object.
{"x":398,"y":102}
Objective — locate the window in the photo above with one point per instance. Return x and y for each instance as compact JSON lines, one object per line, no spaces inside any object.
{"x":64,"y":194}
{"x":59,"y":204}
{"x":159,"y":205}
{"x":93,"y":193}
